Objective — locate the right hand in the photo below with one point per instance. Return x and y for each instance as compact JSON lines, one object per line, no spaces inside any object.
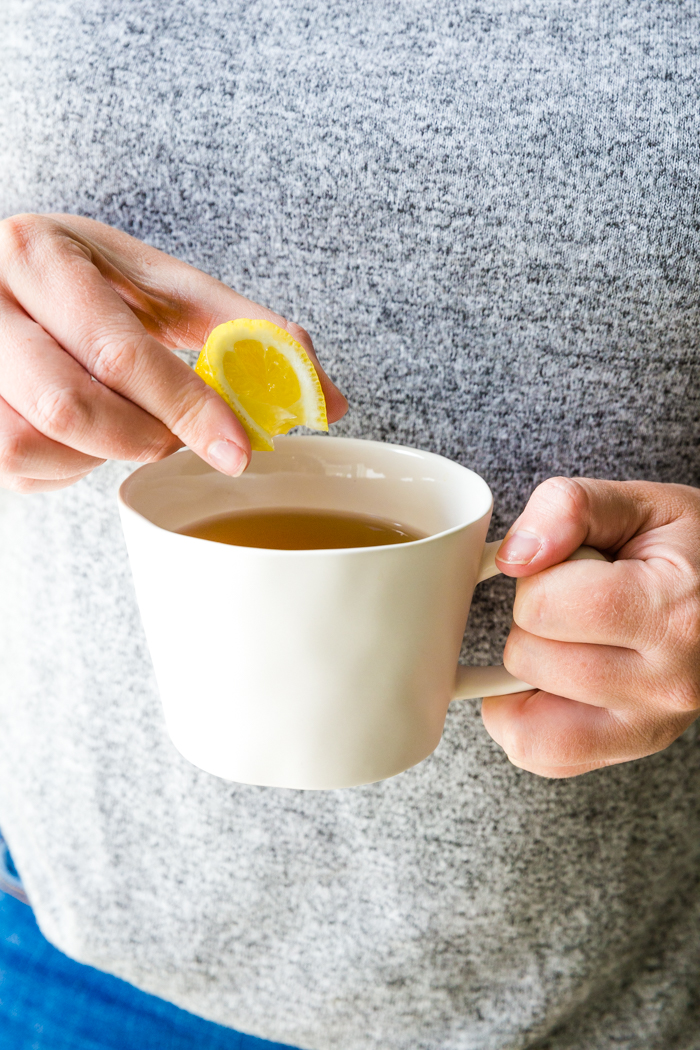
{"x":88,"y":316}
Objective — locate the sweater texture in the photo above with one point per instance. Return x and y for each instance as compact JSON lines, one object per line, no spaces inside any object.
{"x":488,"y":217}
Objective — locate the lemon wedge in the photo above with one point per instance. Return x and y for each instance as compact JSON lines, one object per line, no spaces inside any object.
{"x":265,"y":376}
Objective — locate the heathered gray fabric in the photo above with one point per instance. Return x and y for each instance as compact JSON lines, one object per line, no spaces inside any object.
{"x":487,"y":217}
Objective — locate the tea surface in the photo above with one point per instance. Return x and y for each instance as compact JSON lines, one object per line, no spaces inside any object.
{"x":284,"y":529}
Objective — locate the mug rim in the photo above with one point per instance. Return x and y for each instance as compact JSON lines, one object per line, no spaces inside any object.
{"x":126,"y":503}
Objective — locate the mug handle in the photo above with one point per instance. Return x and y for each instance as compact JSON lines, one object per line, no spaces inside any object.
{"x":474,"y":682}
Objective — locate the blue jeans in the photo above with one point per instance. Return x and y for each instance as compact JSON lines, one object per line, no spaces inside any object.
{"x":50,"y":1002}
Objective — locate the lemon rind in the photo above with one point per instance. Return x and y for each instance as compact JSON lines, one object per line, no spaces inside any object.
{"x":260,"y":440}
{"x":210,"y":367}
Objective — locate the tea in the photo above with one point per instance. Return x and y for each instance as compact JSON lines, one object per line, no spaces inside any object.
{"x":293,"y":530}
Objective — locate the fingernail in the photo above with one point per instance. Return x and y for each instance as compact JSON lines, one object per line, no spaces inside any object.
{"x":228,"y":457}
{"x":519,"y":548}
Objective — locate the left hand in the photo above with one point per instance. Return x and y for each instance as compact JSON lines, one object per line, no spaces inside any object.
{"x":613,"y":648}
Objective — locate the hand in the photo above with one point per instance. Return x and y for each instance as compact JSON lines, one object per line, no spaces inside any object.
{"x":87,"y":315}
{"x":613,"y":648}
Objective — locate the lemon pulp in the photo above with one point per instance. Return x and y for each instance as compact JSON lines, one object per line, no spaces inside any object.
{"x":265,"y":376}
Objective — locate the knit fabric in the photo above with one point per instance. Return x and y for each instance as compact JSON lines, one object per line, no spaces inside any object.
{"x":487,"y":217}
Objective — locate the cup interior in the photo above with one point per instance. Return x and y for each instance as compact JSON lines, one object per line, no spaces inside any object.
{"x":420,"y":490}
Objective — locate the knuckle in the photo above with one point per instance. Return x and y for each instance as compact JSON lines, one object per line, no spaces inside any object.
{"x":521,"y":750}
{"x":529,"y":609}
{"x":301,"y":336}
{"x":515,"y":657}
{"x":568,"y":495}
{"x":29,"y":236}
{"x":654,"y":733}
{"x":186,"y":412}
{"x":515,"y":745}
{"x":672,"y":620}
{"x":17,"y":236}
{"x":12,"y":452}
{"x":61,"y":413}
{"x":296,"y":330}
{"x":160,"y":448}
{"x":112,"y":359}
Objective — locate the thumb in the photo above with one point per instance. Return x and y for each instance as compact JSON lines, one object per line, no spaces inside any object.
{"x":564,"y":513}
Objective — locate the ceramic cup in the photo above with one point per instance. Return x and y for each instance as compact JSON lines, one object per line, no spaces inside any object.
{"x":311,"y":668}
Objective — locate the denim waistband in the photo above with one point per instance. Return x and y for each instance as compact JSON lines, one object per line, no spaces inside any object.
{"x":10,"y":881}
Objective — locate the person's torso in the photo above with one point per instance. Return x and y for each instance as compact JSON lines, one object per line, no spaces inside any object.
{"x":487,"y":218}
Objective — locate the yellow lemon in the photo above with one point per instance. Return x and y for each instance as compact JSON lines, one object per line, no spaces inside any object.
{"x":265,"y":376}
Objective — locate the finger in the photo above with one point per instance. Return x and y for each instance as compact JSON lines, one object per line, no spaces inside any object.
{"x":15,"y":483}
{"x":600,"y":675}
{"x":187,"y":303}
{"x":564,"y":513}
{"x":69,"y":298}
{"x":57,"y":397}
{"x":556,"y":737}
{"x":621,"y":603}
{"x":26,"y":453}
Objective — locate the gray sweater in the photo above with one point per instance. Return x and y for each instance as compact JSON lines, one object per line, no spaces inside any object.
{"x":487,"y":215}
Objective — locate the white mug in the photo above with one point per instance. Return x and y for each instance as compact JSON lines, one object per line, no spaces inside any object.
{"x":311,"y":668}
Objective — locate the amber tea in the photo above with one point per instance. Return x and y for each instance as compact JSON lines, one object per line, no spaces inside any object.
{"x":293,"y":530}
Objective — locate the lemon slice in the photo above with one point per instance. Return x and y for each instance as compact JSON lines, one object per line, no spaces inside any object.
{"x":265,"y":376}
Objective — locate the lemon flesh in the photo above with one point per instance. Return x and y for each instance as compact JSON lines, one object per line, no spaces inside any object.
{"x":265,"y":376}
